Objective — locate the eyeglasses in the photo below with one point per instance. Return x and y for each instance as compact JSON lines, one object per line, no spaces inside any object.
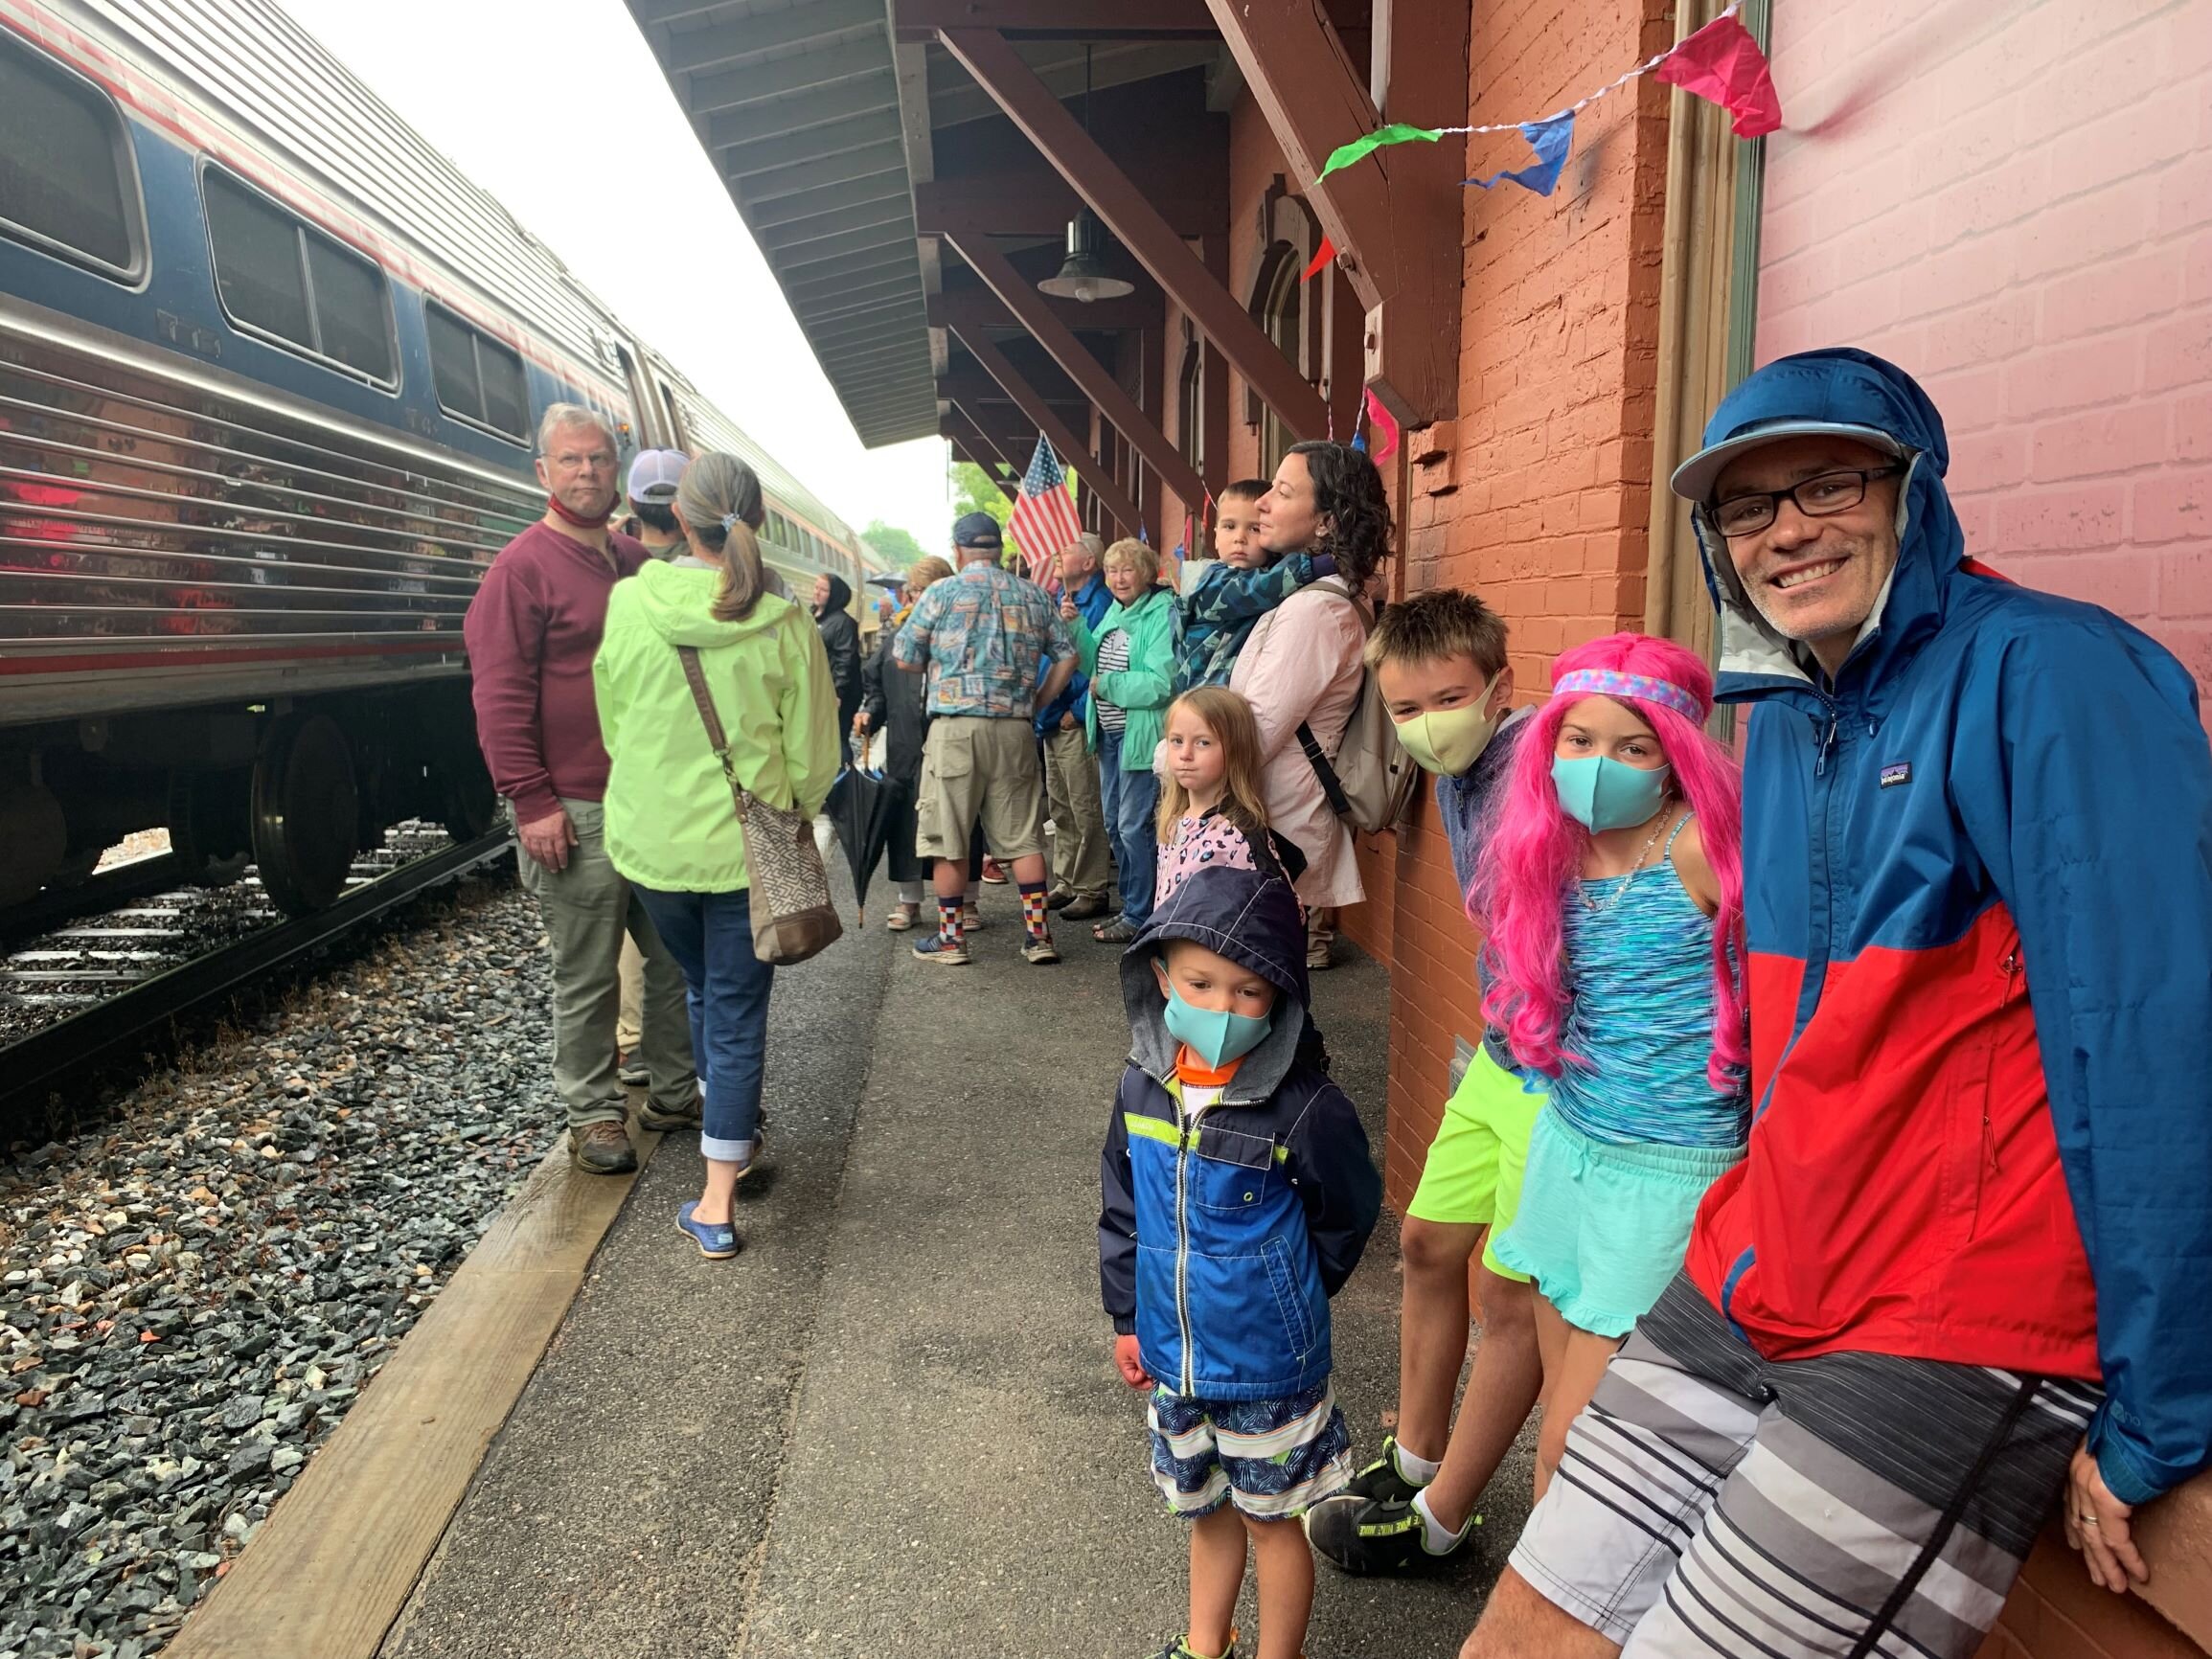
{"x":1821,"y":497}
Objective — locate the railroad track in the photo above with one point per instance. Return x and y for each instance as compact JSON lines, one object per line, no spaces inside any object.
{"x":98,"y":987}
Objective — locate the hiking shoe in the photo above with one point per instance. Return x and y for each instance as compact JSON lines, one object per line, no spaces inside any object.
{"x":1038,"y":948}
{"x":652,"y":1117}
{"x":1364,"y":1535}
{"x":1087,"y":906}
{"x":630,"y":1069}
{"x":602,"y":1149}
{"x":993,"y":876}
{"x":942,"y":951}
{"x":718,"y":1241}
{"x":971,"y":919}
{"x":1059,"y":899}
{"x":1380,"y":1481}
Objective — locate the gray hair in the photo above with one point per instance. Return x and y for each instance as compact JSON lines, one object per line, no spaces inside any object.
{"x":719,"y":502}
{"x":1090,"y":543}
{"x":559,"y":417}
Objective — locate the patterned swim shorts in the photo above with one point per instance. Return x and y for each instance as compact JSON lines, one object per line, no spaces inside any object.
{"x":1274,"y":1459}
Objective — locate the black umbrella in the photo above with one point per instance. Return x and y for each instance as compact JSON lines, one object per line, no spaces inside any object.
{"x":860,"y":809}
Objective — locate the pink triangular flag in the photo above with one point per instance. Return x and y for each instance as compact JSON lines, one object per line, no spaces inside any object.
{"x":1723,"y":65}
{"x":1385,"y":427}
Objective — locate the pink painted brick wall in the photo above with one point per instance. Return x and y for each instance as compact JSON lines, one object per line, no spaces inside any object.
{"x":2014,"y":203}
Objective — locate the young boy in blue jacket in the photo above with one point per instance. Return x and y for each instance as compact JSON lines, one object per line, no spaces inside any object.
{"x":1239,"y":1195}
{"x":1234,"y":590}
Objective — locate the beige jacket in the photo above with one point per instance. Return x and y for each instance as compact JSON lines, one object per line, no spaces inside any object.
{"x":1303,"y":664}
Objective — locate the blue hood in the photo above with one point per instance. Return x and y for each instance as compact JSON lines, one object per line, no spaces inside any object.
{"x":1252,"y":918}
{"x":1842,"y":386}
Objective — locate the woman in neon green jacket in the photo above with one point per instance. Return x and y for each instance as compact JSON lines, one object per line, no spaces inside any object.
{"x":672,"y":827}
{"x":1130,"y":659}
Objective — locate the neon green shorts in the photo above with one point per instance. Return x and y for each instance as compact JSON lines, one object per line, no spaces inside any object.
{"x":1472,"y":1174}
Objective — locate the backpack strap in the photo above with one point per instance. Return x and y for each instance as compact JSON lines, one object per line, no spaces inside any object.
{"x":1324,"y":772}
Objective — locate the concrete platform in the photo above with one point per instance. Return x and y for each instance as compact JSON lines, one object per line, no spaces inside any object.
{"x":892,"y":1425}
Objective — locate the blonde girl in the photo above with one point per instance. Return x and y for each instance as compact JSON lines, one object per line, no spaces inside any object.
{"x":1211,"y":803}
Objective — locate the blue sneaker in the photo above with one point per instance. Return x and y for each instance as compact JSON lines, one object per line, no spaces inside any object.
{"x":943,"y":952}
{"x":718,"y":1241}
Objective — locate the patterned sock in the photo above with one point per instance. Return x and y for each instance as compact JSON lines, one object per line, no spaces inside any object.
{"x":948,"y":920}
{"x":1033,"y":908}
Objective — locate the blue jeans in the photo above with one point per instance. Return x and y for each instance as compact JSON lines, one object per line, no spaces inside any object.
{"x":711,"y":937}
{"x":1131,"y":799}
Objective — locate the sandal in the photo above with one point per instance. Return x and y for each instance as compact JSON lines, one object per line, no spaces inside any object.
{"x":903,"y":917}
{"x":1114,"y":932}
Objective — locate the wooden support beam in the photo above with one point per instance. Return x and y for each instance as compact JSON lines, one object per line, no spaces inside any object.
{"x":1038,"y":19}
{"x":1061,"y":138}
{"x":831,"y":106}
{"x":980,"y":308}
{"x":867,"y":216}
{"x":817,"y":172}
{"x":982,"y":448}
{"x":784,"y":148}
{"x":1071,"y":450}
{"x":1396,"y":218}
{"x":828,"y":286}
{"x":893,"y":295}
{"x":861,"y":190}
{"x":873,"y":242}
{"x":968,"y":386}
{"x":1048,"y":330}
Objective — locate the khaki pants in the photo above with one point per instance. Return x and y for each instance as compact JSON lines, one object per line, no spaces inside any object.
{"x":627,"y":1032}
{"x":1079,"y":839}
{"x":588,"y":911}
{"x":977,"y":771}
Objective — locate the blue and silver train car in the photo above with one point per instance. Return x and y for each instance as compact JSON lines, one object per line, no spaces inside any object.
{"x":270,"y":369}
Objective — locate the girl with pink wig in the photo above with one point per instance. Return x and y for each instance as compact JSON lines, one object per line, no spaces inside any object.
{"x":1611,"y":898}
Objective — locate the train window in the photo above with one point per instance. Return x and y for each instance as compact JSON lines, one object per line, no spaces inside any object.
{"x":276,"y":275}
{"x":477,"y":378}
{"x":66,"y":179}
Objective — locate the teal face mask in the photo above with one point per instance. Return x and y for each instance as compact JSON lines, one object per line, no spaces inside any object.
{"x":1601,"y":793}
{"x":1215,"y":1036}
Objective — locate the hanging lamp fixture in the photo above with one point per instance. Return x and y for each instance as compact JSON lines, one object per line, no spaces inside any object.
{"x":1083,"y":274}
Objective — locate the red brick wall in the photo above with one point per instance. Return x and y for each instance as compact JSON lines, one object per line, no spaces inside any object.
{"x":1545,"y":485}
{"x":2014,"y":203}
{"x":2056,"y":1613}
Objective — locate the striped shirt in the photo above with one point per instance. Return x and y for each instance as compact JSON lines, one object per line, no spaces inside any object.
{"x":1113,"y":658}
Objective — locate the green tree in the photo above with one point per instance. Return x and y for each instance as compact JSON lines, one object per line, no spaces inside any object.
{"x":897,"y":547}
{"x":973,"y":491}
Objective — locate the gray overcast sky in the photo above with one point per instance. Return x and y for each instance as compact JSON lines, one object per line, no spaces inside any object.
{"x":583,"y":167}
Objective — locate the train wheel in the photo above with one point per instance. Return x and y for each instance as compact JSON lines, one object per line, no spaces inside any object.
{"x":306,"y":810}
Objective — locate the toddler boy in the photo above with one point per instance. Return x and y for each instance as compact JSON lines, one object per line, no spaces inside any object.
{"x":1239,"y":1195}
{"x":1234,"y":589}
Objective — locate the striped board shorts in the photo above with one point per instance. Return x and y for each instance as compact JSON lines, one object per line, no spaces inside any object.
{"x":1274,"y":1459}
{"x":1712,"y":1502}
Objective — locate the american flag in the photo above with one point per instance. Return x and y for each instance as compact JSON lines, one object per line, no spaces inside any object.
{"x":1044,"y":519}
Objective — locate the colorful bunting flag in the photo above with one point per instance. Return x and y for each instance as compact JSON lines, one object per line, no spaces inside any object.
{"x":1385,"y":427}
{"x":1549,"y":139}
{"x":1723,"y":65}
{"x":1320,"y":261}
{"x":1720,"y":62}
{"x":1360,"y":148}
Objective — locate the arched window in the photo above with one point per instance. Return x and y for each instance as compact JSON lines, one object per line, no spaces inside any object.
{"x":1278,"y":304}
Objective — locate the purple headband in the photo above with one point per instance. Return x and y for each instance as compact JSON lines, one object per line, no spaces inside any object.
{"x":1608,"y":683}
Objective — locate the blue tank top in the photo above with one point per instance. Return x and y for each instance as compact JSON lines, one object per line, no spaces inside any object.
{"x":1640,"y":1022}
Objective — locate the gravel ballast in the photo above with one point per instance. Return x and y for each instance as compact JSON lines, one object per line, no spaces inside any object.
{"x":193,"y":1294}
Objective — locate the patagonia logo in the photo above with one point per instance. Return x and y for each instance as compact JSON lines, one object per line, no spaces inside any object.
{"x":1895,"y":773}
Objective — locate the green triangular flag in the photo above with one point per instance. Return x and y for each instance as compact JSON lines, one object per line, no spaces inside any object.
{"x":1360,"y":148}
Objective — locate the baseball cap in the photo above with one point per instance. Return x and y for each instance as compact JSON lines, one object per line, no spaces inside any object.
{"x":976,"y":530}
{"x":655,"y":473}
{"x":1694,"y":480}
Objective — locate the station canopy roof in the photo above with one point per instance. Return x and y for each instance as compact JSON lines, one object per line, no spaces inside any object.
{"x":822,"y":122}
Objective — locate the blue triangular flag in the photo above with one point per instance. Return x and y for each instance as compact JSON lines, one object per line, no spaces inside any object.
{"x":1549,"y":139}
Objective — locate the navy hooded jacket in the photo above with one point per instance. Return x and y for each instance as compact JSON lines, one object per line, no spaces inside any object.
{"x":1220,"y":1244}
{"x":1978,"y":882}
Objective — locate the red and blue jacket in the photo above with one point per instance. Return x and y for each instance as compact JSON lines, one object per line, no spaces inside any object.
{"x":1977,"y":880}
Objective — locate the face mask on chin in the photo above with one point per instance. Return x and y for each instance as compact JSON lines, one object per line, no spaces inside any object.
{"x":1215,"y":1036}
{"x":1448,"y":740}
{"x":1601,"y":793}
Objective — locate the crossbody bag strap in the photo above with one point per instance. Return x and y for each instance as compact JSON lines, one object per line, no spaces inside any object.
{"x":695,"y":677}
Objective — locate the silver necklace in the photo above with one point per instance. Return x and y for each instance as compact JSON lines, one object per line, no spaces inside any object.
{"x":1621,"y":886}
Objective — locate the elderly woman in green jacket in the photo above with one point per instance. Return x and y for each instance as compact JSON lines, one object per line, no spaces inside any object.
{"x":672,"y":827}
{"x":1130,"y":659}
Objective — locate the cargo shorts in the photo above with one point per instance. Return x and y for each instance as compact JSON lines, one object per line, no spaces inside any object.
{"x":975,"y":769}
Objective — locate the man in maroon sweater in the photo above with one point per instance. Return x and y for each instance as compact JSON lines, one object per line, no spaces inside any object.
{"x":532,"y":630}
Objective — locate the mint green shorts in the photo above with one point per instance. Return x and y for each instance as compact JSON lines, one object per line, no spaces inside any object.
{"x":1602,"y":1228}
{"x":1472,"y":1173}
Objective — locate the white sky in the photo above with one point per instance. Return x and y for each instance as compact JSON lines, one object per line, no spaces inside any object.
{"x":476,"y":79}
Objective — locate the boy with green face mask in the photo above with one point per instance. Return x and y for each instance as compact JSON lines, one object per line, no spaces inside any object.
{"x":1440,"y":661}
